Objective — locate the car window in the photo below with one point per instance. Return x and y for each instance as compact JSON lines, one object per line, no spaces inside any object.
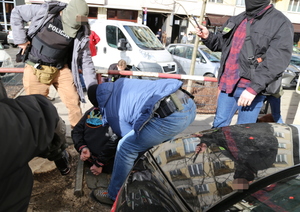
{"x":171,"y":49}
{"x":280,"y":196}
{"x":210,"y":56}
{"x":180,"y":51}
{"x":189,"y":53}
{"x":114,"y":34}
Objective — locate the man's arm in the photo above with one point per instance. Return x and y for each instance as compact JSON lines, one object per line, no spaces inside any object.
{"x":27,"y":129}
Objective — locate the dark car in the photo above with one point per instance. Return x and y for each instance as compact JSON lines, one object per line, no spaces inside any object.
{"x":171,"y":177}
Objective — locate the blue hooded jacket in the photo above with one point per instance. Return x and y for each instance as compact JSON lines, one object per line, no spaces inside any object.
{"x":128,"y":104}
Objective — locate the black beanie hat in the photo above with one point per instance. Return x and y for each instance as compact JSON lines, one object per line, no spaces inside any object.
{"x":92,"y":90}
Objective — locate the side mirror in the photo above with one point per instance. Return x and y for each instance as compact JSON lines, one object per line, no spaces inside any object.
{"x":298,"y":86}
{"x":122,"y":44}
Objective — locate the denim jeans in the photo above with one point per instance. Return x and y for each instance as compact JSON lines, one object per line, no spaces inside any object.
{"x":227,"y":107}
{"x":275,"y":108}
{"x":156,"y":131}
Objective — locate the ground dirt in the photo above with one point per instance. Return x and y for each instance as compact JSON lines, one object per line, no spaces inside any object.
{"x":53,"y":192}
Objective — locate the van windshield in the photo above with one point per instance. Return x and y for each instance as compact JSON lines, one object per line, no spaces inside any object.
{"x":144,"y":37}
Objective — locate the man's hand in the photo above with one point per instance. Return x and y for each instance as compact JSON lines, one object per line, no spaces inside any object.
{"x":246,"y":99}
{"x":23,"y":46}
{"x":202,"y":32}
{"x":201,"y":148}
{"x":96,"y":170}
{"x":85,"y":154}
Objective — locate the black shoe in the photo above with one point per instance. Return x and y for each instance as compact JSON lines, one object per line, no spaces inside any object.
{"x":101,"y":195}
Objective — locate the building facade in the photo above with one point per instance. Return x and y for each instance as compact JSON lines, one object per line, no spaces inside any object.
{"x":172,"y":16}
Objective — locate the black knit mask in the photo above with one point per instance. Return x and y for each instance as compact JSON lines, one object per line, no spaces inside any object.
{"x":255,"y":6}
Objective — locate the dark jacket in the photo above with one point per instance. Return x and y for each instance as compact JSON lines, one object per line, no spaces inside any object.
{"x":27,"y":128}
{"x":100,"y":140}
{"x":271,"y":34}
{"x":114,"y":77}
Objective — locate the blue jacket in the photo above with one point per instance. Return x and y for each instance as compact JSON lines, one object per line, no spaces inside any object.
{"x":128,"y":104}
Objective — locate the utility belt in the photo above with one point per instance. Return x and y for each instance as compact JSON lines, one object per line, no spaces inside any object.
{"x":37,"y":63}
{"x":172,"y":103}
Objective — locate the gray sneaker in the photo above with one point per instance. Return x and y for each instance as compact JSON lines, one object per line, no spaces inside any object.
{"x":101,"y":195}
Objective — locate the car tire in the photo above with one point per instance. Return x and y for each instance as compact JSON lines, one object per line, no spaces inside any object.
{"x":209,"y":75}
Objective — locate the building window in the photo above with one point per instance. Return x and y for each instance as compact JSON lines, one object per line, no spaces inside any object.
{"x":240,"y":2}
{"x":171,"y":152}
{"x":279,"y":134}
{"x":196,"y":169}
{"x":122,"y":15}
{"x":216,"y":1}
{"x":294,"y":6}
{"x":158,"y":159}
{"x":282,"y":145}
{"x":93,"y":12}
{"x":175,"y":173}
{"x":201,"y":189}
{"x":190,"y":144}
{"x":281,"y":159}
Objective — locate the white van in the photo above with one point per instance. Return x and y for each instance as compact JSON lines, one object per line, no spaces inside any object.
{"x":132,"y":42}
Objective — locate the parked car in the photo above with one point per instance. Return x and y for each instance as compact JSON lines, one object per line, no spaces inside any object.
{"x":296,"y":50}
{"x":171,"y":177}
{"x":295,"y":60}
{"x":5,"y":61}
{"x":135,"y":43}
{"x":207,"y":62}
{"x":290,"y":76}
{"x":10,"y":39}
{"x":5,"y":58}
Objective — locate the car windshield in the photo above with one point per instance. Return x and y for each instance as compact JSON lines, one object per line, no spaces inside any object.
{"x":280,"y":196}
{"x":212,"y":56}
{"x":144,"y":37}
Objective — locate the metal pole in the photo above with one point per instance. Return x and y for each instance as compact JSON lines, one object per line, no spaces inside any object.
{"x":192,"y":68}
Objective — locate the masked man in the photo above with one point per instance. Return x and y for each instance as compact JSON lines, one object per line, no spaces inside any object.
{"x":244,"y":74}
{"x":56,"y":44}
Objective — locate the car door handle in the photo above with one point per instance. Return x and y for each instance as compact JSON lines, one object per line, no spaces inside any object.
{"x":104,"y":50}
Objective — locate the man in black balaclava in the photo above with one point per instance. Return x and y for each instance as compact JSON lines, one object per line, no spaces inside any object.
{"x":254,"y":6}
{"x":256,"y":48}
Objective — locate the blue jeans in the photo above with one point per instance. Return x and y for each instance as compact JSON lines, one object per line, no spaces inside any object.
{"x":275,"y":108}
{"x":227,"y":107}
{"x":156,"y":131}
